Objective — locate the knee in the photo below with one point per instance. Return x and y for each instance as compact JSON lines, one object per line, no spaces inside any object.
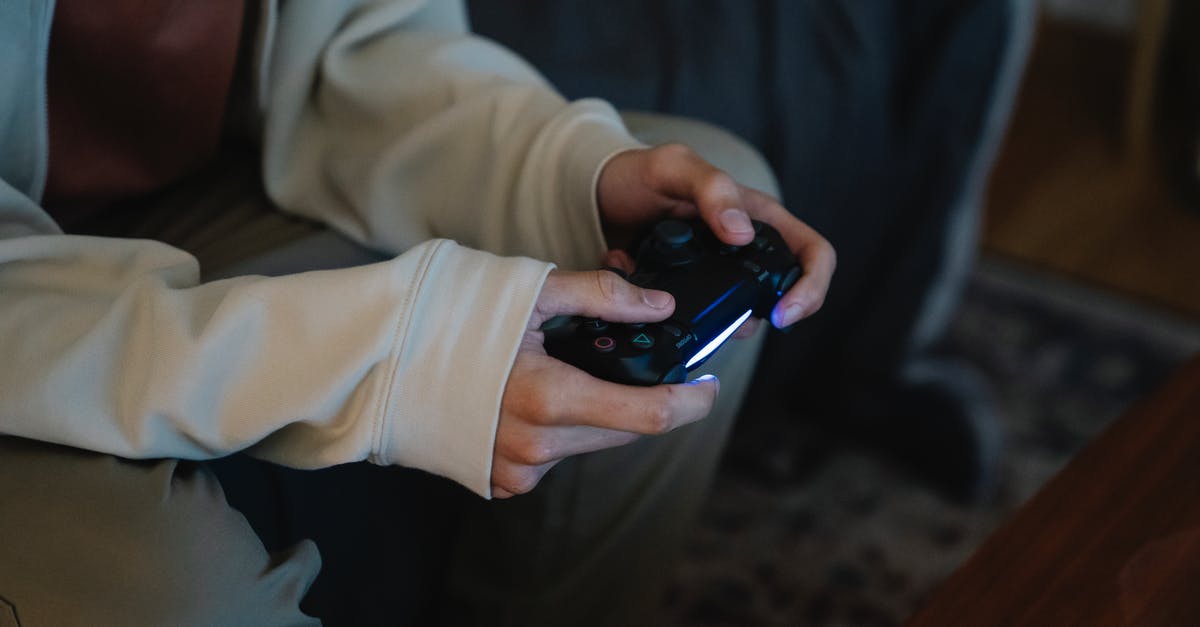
{"x":135,"y":543}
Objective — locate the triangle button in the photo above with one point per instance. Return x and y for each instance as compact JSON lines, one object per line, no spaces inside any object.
{"x":641,"y":340}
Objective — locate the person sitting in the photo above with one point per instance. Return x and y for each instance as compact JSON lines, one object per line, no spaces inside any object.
{"x":482,"y":198}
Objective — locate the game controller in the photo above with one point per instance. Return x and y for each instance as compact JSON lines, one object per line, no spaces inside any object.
{"x":717,"y":287}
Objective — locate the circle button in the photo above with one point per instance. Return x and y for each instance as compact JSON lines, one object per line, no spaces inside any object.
{"x":604,"y":344}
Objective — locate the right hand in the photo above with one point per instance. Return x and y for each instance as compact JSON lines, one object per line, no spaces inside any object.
{"x":552,"y":410}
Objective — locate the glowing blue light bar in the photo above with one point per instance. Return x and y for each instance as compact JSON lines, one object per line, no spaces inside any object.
{"x":717,"y":341}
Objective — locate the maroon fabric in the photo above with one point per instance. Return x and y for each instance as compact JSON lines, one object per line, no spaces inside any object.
{"x":137,"y":91}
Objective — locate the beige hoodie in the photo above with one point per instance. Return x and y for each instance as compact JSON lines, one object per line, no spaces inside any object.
{"x":384,"y":120}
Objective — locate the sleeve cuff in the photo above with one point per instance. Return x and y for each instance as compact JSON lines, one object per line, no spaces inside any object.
{"x":451,"y":361}
{"x":596,"y":136}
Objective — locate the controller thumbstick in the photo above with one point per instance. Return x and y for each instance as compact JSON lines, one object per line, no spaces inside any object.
{"x":673,"y":233}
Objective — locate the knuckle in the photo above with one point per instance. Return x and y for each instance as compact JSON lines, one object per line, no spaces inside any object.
{"x":539,"y":404}
{"x":716,"y":183}
{"x":665,"y":158}
{"x":614,"y":289}
{"x":533,"y":452}
{"x":659,"y":418}
{"x":608,"y":283}
{"x":826,"y":250}
{"x":672,"y":150}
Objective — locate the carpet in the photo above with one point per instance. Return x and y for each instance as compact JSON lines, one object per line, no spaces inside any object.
{"x":841,"y":537}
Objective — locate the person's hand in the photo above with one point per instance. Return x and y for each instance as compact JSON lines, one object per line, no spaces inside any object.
{"x":639,"y":187}
{"x":551,"y":410}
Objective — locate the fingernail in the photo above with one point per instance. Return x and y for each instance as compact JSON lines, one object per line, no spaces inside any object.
{"x":790,"y":315}
{"x":656,"y":299}
{"x":708,"y":377}
{"x":736,"y":221}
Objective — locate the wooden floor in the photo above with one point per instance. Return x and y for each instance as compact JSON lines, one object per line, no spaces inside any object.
{"x":1066,"y":194}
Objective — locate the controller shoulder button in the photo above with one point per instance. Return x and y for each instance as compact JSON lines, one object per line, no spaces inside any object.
{"x":677,"y":374}
{"x":789,"y":279}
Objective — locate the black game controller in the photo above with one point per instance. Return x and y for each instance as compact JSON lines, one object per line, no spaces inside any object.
{"x":716,"y":287}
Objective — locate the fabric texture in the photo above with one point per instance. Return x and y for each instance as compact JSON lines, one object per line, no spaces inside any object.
{"x":148,"y":544}
{"x":463,"y":142}
{"x":579,"y":536}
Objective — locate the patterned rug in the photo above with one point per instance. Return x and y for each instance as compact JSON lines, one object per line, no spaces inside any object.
{"x":848,"y":539}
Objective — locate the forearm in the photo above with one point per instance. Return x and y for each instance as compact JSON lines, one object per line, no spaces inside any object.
{"x":393,"y":134}
{"x":111,"y":345}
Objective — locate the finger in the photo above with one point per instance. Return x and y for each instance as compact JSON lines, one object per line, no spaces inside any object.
{"x":601,"y":294}
{"x":819,"y":260}
{"x":645,"y":410}
{"x":681,"y":174}
{"x":617,"y":258}
{"x":748,"y":329}
{"x":511,"y":479}
{"x":531,"y":444}
{"x":815,"y":253}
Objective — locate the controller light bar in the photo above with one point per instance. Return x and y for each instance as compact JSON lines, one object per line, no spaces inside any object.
{"x":718,"y":341}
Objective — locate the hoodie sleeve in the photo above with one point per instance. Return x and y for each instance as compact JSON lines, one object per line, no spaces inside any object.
{"x":112,"y":345}
{"x":395,"y":130}
{"x":395,"y":125}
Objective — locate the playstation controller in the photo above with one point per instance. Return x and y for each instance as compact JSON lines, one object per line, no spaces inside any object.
{"x":717,"y":287}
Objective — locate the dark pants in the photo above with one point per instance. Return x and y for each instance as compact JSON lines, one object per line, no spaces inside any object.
{"x":879,"y":118}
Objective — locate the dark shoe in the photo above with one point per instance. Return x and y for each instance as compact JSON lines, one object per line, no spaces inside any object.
{"x":938,"y":422}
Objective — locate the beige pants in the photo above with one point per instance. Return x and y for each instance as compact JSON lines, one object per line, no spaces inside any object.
{"x":89,"y":539}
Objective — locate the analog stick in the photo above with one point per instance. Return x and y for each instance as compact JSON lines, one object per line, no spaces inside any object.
{"x":673,"y":233}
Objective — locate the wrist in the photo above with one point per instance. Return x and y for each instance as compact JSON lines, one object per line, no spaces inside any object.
{"x":595,"y":142}
{"x":620,"y":191}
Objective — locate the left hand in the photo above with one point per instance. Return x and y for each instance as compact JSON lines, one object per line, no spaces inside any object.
{"x":640,"y":187}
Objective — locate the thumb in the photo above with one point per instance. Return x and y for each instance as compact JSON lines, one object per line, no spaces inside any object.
{"x":601,"y":294}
